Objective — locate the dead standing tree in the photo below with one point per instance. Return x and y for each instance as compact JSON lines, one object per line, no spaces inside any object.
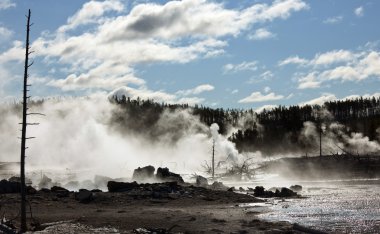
{"x":24,"y":123}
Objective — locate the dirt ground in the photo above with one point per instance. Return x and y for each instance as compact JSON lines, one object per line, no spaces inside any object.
{"x":210,"y":212}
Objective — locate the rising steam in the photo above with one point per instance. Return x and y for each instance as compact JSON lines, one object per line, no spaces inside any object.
{"x":77,"y":137}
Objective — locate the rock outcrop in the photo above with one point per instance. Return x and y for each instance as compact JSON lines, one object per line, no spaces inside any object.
{"x":143,"y":174}
{"x":164,"y":175}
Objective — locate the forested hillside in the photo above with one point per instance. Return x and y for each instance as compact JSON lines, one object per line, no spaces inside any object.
{"x":279,"y":130}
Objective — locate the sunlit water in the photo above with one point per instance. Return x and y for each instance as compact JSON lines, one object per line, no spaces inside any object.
{"x":334,"y":206}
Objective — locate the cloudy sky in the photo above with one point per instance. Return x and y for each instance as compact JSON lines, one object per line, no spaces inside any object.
{"x":244,"y":54}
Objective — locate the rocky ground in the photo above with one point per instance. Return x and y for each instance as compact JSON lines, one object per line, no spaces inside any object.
{"x":164,"y":208}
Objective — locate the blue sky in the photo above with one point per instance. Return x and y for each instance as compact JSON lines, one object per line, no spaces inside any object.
{"x":244,"y":54}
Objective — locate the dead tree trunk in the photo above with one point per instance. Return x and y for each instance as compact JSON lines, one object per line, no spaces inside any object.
{"x":213,"y":159}
{"x":23,"y":131}
{"x":320,"y":139}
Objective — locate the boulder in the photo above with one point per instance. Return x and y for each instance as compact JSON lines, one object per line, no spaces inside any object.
{"x":218,"y":186}
{"x":84,"y":196}
{"x":296,"y":188}
{"x":30,"y":190}
{"x":58,"y":189}
{"x":14,"y":187}
{"x":114,"y":186}
{"x":163,"y":174}
{"x":60,"y":192}
{"x":96,"y":191}
{"x":9,"y":187}
{"x":142,"y":174}
{"x":18,"y":179}
{"x":45,"y":190}
{"x":259,"y":191}
{"x":201,"y":181}
{"x":285,"y":192}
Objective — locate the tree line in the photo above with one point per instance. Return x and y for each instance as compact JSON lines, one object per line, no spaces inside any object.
{"x":270,"y":131}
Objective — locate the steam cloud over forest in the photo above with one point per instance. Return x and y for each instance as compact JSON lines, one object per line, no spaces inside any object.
{"x":113,"y":135}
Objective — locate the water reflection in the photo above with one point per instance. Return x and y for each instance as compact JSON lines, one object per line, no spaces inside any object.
{"x":334,"y":206}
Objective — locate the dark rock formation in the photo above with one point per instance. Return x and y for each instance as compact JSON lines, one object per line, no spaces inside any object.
{"x":259,"y":191}
{"x":142,"y":174}
{"x":60,"y":192}
{"x":218,"y":186}
{"x":14,"y":187}
{"x":296,"y":188}
{"x":114,"y":186}
{"x":163,"y":174}
{"x":201,"y":181}
{"x":9,"y":187}
{"x":285,"y":192}
{"x":84,"y":196}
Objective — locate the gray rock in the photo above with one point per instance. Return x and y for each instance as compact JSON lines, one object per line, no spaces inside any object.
{"x":84,"y":196}
{"x":163,"y":174}
{"x":142,"y":174}
{"x":201,"y":181}
{"x":114,"y":186}
{"x":218,"y":186}
{"x":296,"y":188}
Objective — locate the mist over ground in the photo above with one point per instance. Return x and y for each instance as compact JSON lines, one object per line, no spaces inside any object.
{"x":95,"y":135}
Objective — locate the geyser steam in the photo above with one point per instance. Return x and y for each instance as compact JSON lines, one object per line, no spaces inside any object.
{"x":77,"y":137}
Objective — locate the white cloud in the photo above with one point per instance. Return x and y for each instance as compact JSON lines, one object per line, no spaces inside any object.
{"x":320,"y":100}
{"x":244,"y":66}
{"x":86,"y":81}
{"x":90,"y":13}
{"x":5,"y":4}
{"x":16,"y":53}
{"x":267,"y":75}
{"x":341,"y":65}
{"x":356,"y":96}
{"x":197,"y":90}
{"x":189,"y":100}
{"x":158,"y":96}
{"x":368,"y":65}
{"x":333,"y":20}
{"x":308,"y":82}
{"x":335,"y":56}
{"x":328,"y":97}
{"x":359,"y":12}
{"x":235,"y":91}
{"x":142,"y":93}
{"x":293,"y":60}
{"x":106,"y":76}
{"x":174,"y":32}
{"x":177,"y":19}
{"x":265,"y":107}
{"x":258,"y":97}
{"x":267,"y":89}
{"x":344,"y":73}
{"x":5,"y":33}
{"x":261,"y":34}
{"x":321,"y":59}
{"x":4,"y":79}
